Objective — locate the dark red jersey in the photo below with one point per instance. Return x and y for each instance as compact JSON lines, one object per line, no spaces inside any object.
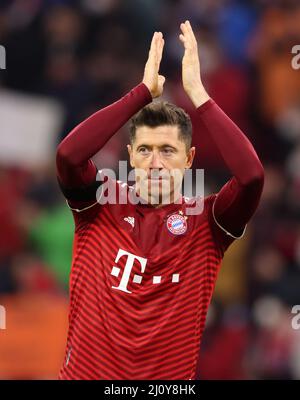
{"x":141,"y":282}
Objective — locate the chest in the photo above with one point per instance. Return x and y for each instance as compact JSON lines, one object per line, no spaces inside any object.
{"x":161,"y":236}
{"x":146,"y":253}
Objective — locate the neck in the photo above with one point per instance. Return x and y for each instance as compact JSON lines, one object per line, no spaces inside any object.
{"x":158,"y":201}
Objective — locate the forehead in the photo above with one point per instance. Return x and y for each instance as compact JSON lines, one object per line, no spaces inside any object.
{"x":162,"y":134}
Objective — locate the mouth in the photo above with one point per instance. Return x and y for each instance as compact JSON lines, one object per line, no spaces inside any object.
{"x":152,"y":176}
{"x":156,"y":178}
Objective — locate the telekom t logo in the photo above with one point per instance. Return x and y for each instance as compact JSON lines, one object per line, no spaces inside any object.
{"x":127,"y":270}
{"x":131,"y":259}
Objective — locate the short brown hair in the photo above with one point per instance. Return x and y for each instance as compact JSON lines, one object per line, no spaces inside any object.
{"x":163,"y":113}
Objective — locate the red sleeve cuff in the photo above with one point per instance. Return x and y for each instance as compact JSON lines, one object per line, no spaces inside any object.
{"x":143,"y":90}
{"x":209,"y":103}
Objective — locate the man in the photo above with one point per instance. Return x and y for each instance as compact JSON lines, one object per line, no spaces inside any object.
{"x":143,"y":273}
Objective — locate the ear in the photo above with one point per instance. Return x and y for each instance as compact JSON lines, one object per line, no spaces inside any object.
{"x":190,"y":157}
{"x":130,"y":152}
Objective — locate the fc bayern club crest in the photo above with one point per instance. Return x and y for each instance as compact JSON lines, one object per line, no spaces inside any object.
{"x":176,"y":224}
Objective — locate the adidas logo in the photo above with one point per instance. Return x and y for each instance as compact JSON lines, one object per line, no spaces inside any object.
{"x":130,"y":220}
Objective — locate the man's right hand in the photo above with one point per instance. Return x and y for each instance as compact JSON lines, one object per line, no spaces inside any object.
{"x":152,"y":79}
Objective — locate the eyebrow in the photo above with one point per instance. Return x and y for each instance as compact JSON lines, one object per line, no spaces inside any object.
{"x":161,"y":146}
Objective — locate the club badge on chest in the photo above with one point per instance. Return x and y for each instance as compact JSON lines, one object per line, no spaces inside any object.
{"x":177,"y":223}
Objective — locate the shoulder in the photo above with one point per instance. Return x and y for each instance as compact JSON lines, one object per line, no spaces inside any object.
{"x":107,"y":191}
{"x":199,"y":206}
{"x":203,"y":210}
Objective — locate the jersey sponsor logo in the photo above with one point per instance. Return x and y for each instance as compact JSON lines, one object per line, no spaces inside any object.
{"x":137,"y":278}
{"x":176,"y":224}
{"x":131,"y":258}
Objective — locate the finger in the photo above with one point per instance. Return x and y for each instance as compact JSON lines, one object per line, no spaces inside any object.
{"x":154,"y":49}
{"x":161,"y":79}
{"x":186,"y":40}
{"x":190,"y":31}
{"x":157,"y":52}
{"x":182,"y":38}
{"x":183,"y":28}
{"x":186,"y":37}
{"x":153,"y":43}
{"x":160,"y":50}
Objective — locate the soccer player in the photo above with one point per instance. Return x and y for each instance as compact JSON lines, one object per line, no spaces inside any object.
{"x":143,"y":274}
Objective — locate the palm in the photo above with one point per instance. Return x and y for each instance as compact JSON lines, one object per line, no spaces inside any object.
{"x":190,"y":61}
{"x":151,"y":78}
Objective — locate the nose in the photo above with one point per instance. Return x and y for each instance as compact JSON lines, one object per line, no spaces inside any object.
{"x":156,"y":161}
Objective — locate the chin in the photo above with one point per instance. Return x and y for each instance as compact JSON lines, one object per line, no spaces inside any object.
{"x":161,"y":197}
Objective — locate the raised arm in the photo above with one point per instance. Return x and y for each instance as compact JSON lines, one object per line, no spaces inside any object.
{"x":237,"y":201}
{"x":75,"y":168}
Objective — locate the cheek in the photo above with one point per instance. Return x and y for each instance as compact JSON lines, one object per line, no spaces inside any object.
{"x":139,"y":161}
{"x":178,"y":162}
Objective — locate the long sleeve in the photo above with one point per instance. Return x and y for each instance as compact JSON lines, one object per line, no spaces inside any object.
{"x":75,"y":168}
{"x":238,"y":199}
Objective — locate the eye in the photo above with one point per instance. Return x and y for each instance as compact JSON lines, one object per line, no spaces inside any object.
{"x":143,"y":150}
{"x":167,"y":151}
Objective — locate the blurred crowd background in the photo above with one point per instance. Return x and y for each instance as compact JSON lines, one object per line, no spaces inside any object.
{"x":67,"y":59}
